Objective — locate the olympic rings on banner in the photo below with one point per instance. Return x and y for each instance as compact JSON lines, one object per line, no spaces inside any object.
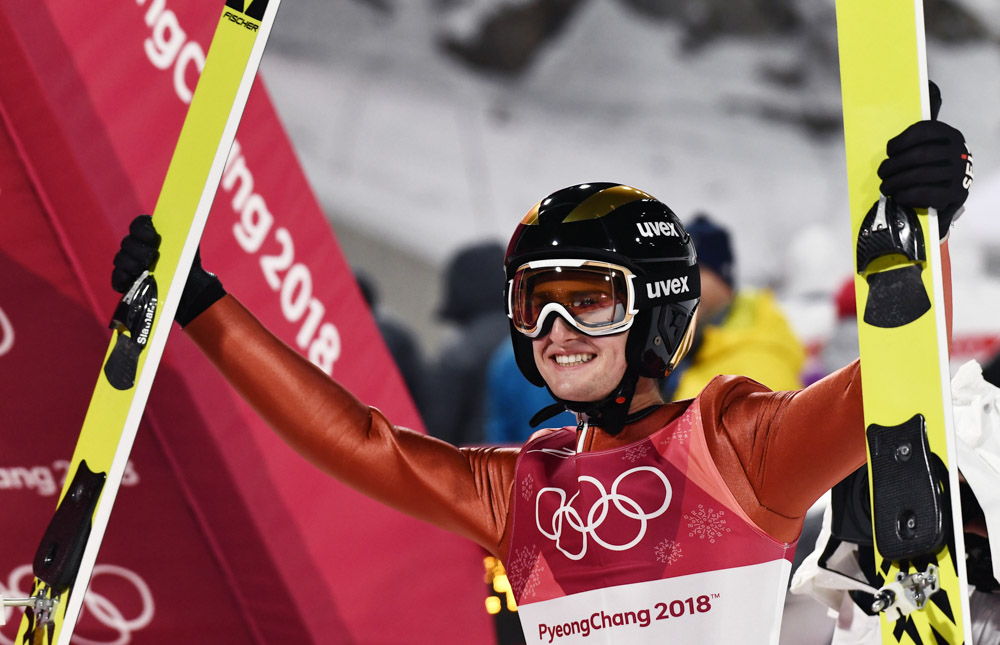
{"x":6,"y":333}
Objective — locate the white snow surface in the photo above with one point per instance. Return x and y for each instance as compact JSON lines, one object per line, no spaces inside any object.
{"x":405,"y":144}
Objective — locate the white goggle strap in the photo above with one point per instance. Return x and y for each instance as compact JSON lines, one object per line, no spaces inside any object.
{"x":556,"y":308}
{"x":510,"y":299}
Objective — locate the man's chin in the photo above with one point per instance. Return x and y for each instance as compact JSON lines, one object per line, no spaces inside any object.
{"x":585,"y":394}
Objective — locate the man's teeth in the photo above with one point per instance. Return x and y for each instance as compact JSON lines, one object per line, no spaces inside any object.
{"x":574,"y":359}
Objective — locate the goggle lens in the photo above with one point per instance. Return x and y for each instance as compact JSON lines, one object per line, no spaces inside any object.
{"x":595,"y":297}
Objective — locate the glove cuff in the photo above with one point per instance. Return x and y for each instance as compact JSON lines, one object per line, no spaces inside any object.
{"x":201,"y":291}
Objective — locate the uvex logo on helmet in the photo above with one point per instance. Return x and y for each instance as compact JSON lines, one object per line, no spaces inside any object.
{"x":649,"y":229}
{"x":664,"y":288}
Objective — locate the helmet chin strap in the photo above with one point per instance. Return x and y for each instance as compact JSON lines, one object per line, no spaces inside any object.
{"x":609,"y":413}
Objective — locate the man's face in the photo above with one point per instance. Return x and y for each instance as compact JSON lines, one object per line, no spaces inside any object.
{"x":578,"y":367}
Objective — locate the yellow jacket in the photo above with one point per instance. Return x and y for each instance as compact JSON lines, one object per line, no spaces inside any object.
{"x":754,"y":340}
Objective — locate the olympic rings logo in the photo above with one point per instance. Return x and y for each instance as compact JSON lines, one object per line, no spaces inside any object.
{"x":565,"y":516}
{"x":97,"y":605}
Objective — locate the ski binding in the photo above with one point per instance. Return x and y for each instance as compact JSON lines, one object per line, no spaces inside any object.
{"x":134,"y":315}
{"x":43,"y":606}
{"x":896,"y":297}
{"x":907,"y":594}
{"x":58,"y":557}
{"x":908,"y":506}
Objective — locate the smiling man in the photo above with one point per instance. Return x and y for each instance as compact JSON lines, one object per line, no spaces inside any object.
{"x":649,"y":506}
{"x":647,"y":522}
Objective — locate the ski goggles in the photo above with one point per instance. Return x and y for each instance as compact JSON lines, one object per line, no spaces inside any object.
{"x":597,"y":298}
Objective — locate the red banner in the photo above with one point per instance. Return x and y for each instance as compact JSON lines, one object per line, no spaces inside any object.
{"x":221,"y":532}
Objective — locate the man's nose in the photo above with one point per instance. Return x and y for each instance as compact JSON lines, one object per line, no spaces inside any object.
{"x":562,"y":330}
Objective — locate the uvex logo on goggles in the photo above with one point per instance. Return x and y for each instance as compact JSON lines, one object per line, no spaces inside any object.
{"x":597,"y":298}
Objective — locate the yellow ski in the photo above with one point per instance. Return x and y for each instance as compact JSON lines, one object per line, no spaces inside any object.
{"x":66,"y":556}
{"x":903,"y":342}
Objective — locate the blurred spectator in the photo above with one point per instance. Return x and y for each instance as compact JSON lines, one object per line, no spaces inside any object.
{"x":813,"y":268}
{"x":511,"y":401}
{"x":398,"y":339}
{"x":740,"y":331}
{"x":842,"y":346}
{"x":473,"y":303}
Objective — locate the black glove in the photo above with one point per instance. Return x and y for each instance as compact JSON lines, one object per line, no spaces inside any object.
{"x":140,"y":251}
{"x":928,"y":166}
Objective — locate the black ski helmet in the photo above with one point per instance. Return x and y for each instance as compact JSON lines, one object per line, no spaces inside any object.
{"x":621,"y":225}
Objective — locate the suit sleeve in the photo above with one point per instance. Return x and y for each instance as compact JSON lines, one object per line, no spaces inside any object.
{"x":781,"y":451}
{"x":465,"y":491}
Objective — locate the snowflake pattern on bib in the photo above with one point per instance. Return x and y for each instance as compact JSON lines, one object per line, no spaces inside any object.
{"x":527,"y":487}
{"x":706,"y":523}
{"x":524,"y":569}
{"x":681,"y":432}
{"x":636,"y":451}
{"x":668,"y":551}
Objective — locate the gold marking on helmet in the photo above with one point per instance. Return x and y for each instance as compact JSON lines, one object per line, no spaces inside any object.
{"x":602,"y":203}
{"x":685,"y":344}
{"x":531,"y":217}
